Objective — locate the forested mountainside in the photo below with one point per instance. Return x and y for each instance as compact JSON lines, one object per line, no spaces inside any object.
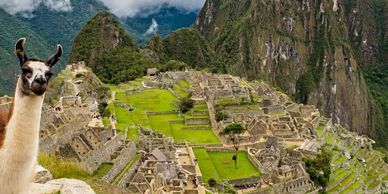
{"x":108,"y":49}
{"x":318,"y":51}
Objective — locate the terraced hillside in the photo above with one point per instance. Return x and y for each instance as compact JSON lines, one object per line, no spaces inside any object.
{"x":356,"y":168}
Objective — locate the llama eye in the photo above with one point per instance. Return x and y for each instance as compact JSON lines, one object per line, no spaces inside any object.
{"x":48,"y":75}
{"x":27,"y":73}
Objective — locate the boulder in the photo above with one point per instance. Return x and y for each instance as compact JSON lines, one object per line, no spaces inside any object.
{"x":42,"y":175}
{"x":63,"y":186}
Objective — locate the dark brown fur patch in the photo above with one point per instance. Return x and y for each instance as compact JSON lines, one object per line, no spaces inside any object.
{"x":4,"y":119}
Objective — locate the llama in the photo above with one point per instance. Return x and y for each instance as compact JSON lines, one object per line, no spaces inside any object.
{"x":19,"y":150}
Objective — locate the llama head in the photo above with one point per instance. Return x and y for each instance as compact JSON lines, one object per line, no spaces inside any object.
{"x":35,"y":73}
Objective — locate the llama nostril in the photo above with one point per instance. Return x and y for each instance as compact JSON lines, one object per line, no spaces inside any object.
{"x":41,"y":81}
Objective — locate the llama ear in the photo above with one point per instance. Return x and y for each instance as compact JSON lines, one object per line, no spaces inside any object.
{"x":55,"y":57}
{"x":19,"y":50}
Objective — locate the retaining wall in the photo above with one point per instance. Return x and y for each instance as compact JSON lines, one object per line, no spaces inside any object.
{"x":121,"y":161}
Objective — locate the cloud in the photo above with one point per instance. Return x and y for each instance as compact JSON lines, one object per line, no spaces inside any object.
{"x":27,"y":6}
{"x":153,"y":29}
{"x":131,"y":8}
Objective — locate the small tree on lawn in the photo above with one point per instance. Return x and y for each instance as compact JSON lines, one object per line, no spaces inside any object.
{"x":212,"y":182}
{"x":186,"y":104}
{"x":233,"y":131}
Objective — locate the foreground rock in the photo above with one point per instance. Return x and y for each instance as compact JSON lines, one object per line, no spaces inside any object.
{"x":63,"y":186}
{"x":42,"y":175}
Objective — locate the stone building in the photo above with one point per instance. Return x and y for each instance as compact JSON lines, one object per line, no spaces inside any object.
{"x":282,"y":169}
{"x":164,"y":168}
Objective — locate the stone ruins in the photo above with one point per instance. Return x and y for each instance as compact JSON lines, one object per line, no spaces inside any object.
{"x":279,"y":134}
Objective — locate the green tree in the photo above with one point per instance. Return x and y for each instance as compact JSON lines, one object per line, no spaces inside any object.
{"x":319,"y":168}
{"x":186,"y":104}
{"x":233,"y":132}
{"x":221,"y":116}
{"x":173,"y":65}
{"x":212,"y":182}
{"x":101,"y":108}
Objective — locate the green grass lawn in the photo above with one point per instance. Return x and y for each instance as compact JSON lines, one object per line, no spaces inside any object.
{"x":320,"y":127}
{"x":61,"y":168}
{"x":219,"y":165}
{"x":181,"y":88}
{"x":351,"y":187}
{"x":200,"y":107}
{"x":106,"y":121}
{"x":102,"y":170}
{"x":202,"y":136}
{"x":161,"y":123}
{"x":154,"y":100}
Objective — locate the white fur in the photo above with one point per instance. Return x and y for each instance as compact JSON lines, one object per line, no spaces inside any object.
{"x":39,"y":69}
{"x":18,"y":155}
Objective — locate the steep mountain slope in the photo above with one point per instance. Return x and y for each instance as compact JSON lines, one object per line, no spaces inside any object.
{"x":186,"y":45}
{"x":108,"y":49}
{"x":302,"y":47}
{"x":11,"y":29}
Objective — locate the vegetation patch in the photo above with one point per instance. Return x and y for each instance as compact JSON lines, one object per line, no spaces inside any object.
{"x":152,"y":100}
{"x":102,"y":170}
{"x":195,"y":136}
{"x":220,"y":166}
{"x":61,"y":168}
{"x":319,"y":168}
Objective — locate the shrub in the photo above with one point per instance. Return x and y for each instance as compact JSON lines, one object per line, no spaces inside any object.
{"x":221,"y":116}
{"x":102,"y":109}
{"x":212,"y":182}
{"x":186,"y":104}
{"x":319,"y":168}
{"x":173,"y":65}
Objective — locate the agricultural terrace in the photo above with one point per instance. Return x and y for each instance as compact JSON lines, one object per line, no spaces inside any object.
{"x":359,"y":175}
{"x":220,"y":166}
{"x":155,"y":108}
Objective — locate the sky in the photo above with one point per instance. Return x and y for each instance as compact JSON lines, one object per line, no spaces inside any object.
{"x":121,"y":8}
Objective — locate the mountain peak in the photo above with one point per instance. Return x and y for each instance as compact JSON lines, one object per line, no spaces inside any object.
{"x":101,"y":34}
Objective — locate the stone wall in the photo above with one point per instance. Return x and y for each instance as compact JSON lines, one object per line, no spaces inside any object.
{"x":64,"y":134}
{"x":121,"y":161}
{"x":197,"y":121}
{"x":196,"y":128}
{"x":126,"y":180}
{"x":200,"y":113}
{"x":95,"y":158}
{"x":254,"y":161}
{"x":299,"y":185}
{"x":161,"y":113}
{"x":244,"y":181}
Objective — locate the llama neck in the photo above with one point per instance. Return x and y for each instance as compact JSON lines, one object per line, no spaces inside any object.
{"x":18,"y":156}
{"x":23,"y":127}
